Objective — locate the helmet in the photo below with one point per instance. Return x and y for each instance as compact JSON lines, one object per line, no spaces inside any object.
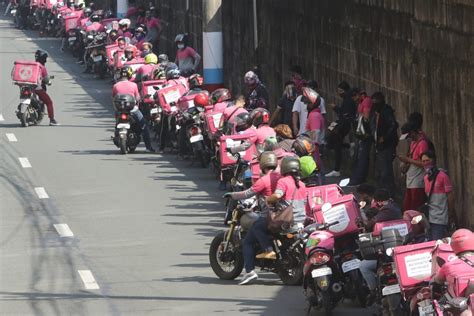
{"x":242,"y":122}
{"x":268,"y":159}
{"x":195,"y":80}
{"x":179,"y":38}
{"x":125,"y":22}
{"x":162,"y":58}
{"x":307,"y":166}
{"x":270,"y":143}
{"x":201,"y":99}
{"x":140,"y":28}
{"x":220,"y":95}
{"x":151,"y":59}
{"x":172,"y":73}
{"x":250,"y":78}
{"x":124,"y":101}
{"x":303,"y":146}
{"x":289,"y":165}
{"x":259,"y":116}
{"x":310,"y":95}
{"x":87,"y":12}
{"x":95,"y":18}
{"x":41,"y":56}
{"x":126,"y":72}
{"x":462,"y":240}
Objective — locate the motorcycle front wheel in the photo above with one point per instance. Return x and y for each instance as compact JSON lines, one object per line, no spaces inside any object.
{"x":24,"y":118}
{"x":123,"y":145}
{"x":229,"y":265}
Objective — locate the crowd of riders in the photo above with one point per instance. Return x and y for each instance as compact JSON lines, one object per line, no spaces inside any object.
{"x":293,"y":143}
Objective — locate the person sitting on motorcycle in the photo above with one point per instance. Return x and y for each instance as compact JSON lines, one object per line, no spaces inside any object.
{"x":95,"y":25}
{"x":147,"y":48}
{"x":243,"y":126}
{"x":310,"y":173}
{"x":220,"y":99}
{"x":112,"y":38}
{"x":258,"y":232}
{"x":386,"y":210}
{"x":462,"y":243}
{"x":144,"y":72}
{"x":303,"y":146}
{"x":284,"y":137}
{"x":41,"y":57}
{"x":124,"y":28}
{"x":124,"y":86}
{"x":260,"y":118}
{"x":139,"y":35}
{"x":229,"y":116}
{"x":129,"y":53}
{"x":365,"y":194}
{"x":195,"y":82}
{"x":121,"y":42}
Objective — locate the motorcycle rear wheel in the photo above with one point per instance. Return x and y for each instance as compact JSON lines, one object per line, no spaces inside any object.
{"x":24,"y":118}
{"x":217,"y":265}
{"x":123,"y":145}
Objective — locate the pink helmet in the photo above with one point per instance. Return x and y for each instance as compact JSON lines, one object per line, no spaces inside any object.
{"x":462,"y":240}
{"x":319,"y":239}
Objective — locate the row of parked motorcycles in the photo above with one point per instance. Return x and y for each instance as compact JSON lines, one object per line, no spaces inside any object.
{"x":324,"y":255}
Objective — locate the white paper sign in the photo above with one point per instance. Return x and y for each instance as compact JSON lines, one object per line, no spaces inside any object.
{"x":172,"y":96}
{"x":337,"y":213}
{"x":151,"y":90}
{"x":234,"y":143}
{"x":217,"y":119}
{"x":402,"y":228}
{"x":418,"y":266}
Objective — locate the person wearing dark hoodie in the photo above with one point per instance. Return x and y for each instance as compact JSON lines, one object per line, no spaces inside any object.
{"x":384,"y":126}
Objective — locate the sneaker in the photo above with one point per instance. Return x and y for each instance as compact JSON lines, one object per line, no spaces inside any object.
{"x":271,"y":255}
{"x":150,"y":149}
{"x":53,"y":122}
{"x":333,"y":173}
{"x":248,"y":277}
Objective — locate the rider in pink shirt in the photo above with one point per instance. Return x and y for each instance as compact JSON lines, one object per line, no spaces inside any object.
{"x":228,"y":118}
{"x":41,"y":57}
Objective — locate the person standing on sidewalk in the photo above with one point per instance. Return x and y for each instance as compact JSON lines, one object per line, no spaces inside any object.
{"x":384,"y":128}
{"x":346,"y":113}
{"x":440,"y":201}
{"x":413,"y":168}
{"x":362,"y":133}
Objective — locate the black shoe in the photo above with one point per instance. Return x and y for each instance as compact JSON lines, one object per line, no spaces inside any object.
{"x":53,"y":122}
{"x":150,"y":149}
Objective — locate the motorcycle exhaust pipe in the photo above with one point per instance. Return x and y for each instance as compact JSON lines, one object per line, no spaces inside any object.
{"x":336,"y":287}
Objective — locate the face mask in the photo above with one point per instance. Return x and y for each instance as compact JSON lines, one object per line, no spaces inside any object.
{"x":380,"y":204}
{"x":428,"y":166}
{"x":180,"y":46}
{"x":146,"y":51}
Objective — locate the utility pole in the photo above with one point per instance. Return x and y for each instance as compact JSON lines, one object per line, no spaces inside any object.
{"x":213,"y":51}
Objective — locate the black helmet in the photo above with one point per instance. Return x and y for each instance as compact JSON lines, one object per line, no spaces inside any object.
{"x":41,"y":56}
{"x":172,"y":73}
{"x":87,"y":12}
{"x":268,"y":159}
{"x":124,"y":102}
{"x":289,"y":164}
{"x":195,"y":81}
{"x":303,"y":146}
{"x":259,"y":116}
{"x":242,"y":122}
{"x":95,"y":18}
{"x":220,"y":95}
{"x":126,"y":72}
{"x":163,"y":58}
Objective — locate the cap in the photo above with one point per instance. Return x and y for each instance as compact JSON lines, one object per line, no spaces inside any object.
{"x":406,"y":129}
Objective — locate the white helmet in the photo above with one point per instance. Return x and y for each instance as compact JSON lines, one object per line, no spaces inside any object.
{"x":126,"y":22}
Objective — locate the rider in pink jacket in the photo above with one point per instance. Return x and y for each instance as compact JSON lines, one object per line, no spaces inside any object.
{"x":260,"y":118}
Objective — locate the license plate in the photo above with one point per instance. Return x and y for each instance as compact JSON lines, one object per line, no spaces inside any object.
{"x":72,"y":38}
{"x":25,"y":101}
{"x":425,"y":308}
{"x":350,"y":265}
{"x":390,"y":289}
{"x":154,"y":111}
{"x":321,"y":272}
{"x":196,"y":138}
{"x":123,"y":125}
{"x":97,"y":58}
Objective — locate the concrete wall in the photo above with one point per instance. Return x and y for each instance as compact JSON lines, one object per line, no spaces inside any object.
{"x":416,"y":52}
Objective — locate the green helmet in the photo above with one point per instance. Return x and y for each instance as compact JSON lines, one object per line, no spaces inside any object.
{"x":289,"y":164}
{"x":307,"y":166}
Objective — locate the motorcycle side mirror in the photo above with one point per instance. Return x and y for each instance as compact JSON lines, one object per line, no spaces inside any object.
{"x":344,"y":182}
{"x":326,"y":207}
{"x":417,"y":219}
{"x":440,"y":261}
{"x":362,"y":204}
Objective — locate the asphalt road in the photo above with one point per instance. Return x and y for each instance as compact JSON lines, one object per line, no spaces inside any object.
{"x":137,"y":227}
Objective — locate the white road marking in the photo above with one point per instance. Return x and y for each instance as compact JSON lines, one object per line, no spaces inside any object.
{"x":2,"y":118}
{"x":41,"y":192}
{"x":88,"y":279}
{"x":63,"y":230}
{"x":25,"y":163}
{"x":11,"y":137}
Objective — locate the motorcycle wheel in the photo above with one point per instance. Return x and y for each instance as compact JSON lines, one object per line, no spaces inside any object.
{"x":123,"y":145}
{"x":392,"y":305}
{"x":326,"y":302}
{"x":234,"y":268}
{"x":361,"y":291}
{"x":24,"y":118}
{"x":293,"y":275}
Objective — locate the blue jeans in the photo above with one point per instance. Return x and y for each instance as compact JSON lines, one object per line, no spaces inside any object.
{"x":142,"y":123}
{"x":368,"y":269}
{"x":438,"y":231}
{"x":362,"y":159}
{"x":258,"y":232}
